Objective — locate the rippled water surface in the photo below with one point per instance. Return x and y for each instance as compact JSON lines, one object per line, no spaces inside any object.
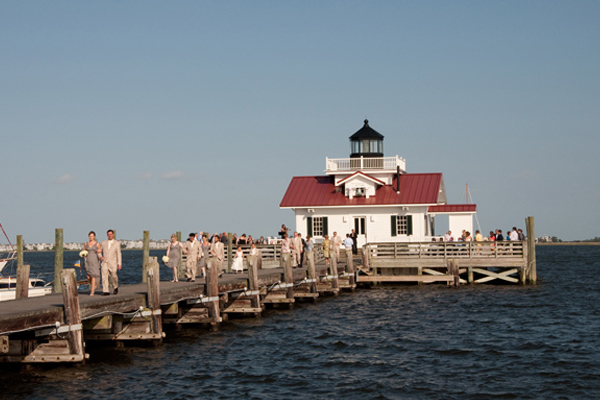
{"x":388,"y":342}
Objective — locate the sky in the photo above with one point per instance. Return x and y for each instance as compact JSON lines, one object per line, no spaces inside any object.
{"x":195,"y":115}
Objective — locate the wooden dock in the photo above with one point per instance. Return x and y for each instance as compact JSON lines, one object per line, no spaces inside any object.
{"x":55,"y":328}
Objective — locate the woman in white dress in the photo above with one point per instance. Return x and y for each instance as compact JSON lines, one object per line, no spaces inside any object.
{"x":238,"y":261}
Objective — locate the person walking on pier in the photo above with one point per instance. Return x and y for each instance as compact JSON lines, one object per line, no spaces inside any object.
{"x":92,"y":262}
{"x":217,"y":250}
{"x":174,"y":255}
{"x":204,"y":252}
{"x":192,"y":249}
{"x":111,"y":263}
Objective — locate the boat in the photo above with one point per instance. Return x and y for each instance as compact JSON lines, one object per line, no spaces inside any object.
{"x":8,"y":284}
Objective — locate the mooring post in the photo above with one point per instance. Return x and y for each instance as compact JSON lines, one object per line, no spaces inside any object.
{"x":153,"y":283}
{"x":288,"y":276}
{"x":531,"y":262}
{"x":58,"y":261}
{"x":312,"y":271}
{"x":72,"y":313}
{"x":253,"y":279}
{"x":180,"y":266}
{"x":453,"y":271}
{"x":333,"y":270}
{"x":212,"y":291}
{"x":22,"y":289}
{"x":350,"y":268}
{"x":145,"y":255}
{"x":229,"y":251}
{"x":19,"y":250}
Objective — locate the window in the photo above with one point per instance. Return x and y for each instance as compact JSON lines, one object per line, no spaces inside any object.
{"x":316,"y":226}
{"x":402,"y":225}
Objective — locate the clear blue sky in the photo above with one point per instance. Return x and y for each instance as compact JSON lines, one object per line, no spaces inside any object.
{"x":194,"y":115}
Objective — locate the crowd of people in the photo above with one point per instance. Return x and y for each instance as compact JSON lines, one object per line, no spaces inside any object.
{"x":297,"y":245}
{"x":513,"y":234}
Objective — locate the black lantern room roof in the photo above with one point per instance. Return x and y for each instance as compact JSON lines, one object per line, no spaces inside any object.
{"x":366,"y":142}
{"x":366,"y":132}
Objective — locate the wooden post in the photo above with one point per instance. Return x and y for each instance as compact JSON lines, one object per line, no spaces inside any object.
{"x":153,"y":283}
{"x":470,"y":274}
{"x":453,"y":270}
{"x":333,"y":271}
{"x":288,"y":275}
{"x":253,"y":280}
{"x":312,"y":272}
{"x":19,"y":251}
{"x":229,"y":251}
{"x":531,"y":262}
{"x":72,"y":312}
{"x":212,"y":289}
{"x":180,"y":266}
{"x":145,"y":256}
{"x":22,"y":290}
{"x":350,"y":268}
{"x":58,"y":261}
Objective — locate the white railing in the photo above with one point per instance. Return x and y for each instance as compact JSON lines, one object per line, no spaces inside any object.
{"x":365,"y":163}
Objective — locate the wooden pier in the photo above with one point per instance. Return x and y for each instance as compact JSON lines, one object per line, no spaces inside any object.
{"x":55,"y":328}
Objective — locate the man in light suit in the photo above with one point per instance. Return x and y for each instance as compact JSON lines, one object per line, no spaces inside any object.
{"x":111,"y":263}
{"x":192,"y":248}
{"x":336,"y":242}
{"x":217,"y":250}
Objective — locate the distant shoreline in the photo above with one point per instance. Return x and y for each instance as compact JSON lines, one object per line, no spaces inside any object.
{"x":569,"y":244}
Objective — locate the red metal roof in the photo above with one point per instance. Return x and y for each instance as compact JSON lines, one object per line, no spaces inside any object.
{"x":320,"y":191}
{"x":452,"y":208}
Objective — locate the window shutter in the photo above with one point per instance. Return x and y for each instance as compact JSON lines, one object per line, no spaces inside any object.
{"x":394,"y":225}
{"x":309,"y":227}
{"x":409,"y":225}
{"x":325,"y":232}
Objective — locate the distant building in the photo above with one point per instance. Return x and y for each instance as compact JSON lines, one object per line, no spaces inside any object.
{"x":374,"y":195}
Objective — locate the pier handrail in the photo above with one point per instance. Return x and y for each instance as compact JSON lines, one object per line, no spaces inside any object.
{"x":446,"y":250}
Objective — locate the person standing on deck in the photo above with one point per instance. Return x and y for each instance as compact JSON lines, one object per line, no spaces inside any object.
{"x":336,"y":242}
{"x":326,"y":248}
{"x":192,"y":249}
{"x":348,"y":243}
{"x":303,"y":248}
{"x":296,"y":249}
{"x":286,"y":245}
{"x":514,"y":235}
{"x":111,"y":263}
{"x":354,"y":236}
{"x":217,"y":250}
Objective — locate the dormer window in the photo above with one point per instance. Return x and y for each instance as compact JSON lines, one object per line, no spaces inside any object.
{"x":359,"y":191}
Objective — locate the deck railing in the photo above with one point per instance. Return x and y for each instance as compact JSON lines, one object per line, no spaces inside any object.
{"x":446,"y":250}
{"x":365,"y":163}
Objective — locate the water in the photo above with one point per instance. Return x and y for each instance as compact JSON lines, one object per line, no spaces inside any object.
{"x":391,"y":342}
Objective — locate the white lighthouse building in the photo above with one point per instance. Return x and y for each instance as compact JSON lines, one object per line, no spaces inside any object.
{"x":375,"y":196}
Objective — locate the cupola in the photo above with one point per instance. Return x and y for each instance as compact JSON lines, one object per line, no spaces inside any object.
{"x":366,"y":142}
